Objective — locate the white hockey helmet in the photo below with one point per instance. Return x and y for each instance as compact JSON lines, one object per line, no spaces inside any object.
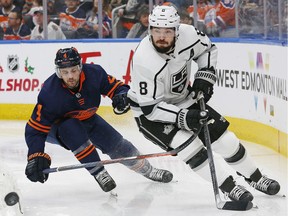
{"x":164,"y":16}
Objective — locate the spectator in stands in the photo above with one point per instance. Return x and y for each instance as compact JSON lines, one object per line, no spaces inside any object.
{"x":53,"y":30}
{"x":91,"y":26}
{"x":128,"y":15}
{"x":220,"y":20}
{"x":86,"y":5}
{"x":16,"y":29}
{"x":28,"y":12}
{"x":51,"y":7}
{"x":6,"y":7}
{"x":27,"y":6}
{"x":203,"y":6}
{"x":71,"y":18}
{"x":140,"y":29}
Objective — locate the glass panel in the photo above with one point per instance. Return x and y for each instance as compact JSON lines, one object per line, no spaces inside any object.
{"x":80,"y":19}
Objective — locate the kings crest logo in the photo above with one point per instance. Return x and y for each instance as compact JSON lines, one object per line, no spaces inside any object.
{"x":179,"y":80}
{"x":13,"y":63}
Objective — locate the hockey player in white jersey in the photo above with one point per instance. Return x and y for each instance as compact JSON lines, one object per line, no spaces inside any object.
{"x":165,"y":107}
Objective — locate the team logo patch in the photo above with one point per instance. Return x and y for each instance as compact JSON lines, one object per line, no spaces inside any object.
{"x":179,"y":80}
{"x":13,"y":63}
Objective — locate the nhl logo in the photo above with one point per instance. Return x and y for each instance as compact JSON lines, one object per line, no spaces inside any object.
{"x":13,"y":64}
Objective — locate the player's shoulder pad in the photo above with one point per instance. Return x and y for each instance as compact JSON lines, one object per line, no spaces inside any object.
{"x":92,"y":70}
{"x":187,"y":32}
{"x":186,"y":28}
{"x":92,"y":66}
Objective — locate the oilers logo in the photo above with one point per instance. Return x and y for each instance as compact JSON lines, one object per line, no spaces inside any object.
{"x":13,"y":63}
{"x":179,"y":80}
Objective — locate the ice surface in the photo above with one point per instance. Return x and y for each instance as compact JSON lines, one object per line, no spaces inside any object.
{"x":76,"y":193}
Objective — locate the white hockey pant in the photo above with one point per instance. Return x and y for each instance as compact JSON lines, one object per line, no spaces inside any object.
{"x":227,"y":146}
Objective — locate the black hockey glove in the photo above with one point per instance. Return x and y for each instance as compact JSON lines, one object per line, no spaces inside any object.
{"x":120,"y":104}
{"x":191,"y":119}
{"x":37,"y":162}
{"x":204,"y":81}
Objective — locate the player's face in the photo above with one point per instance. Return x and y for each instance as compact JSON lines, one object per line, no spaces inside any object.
{"x":71,"y":76}
{"x":163,"y":38}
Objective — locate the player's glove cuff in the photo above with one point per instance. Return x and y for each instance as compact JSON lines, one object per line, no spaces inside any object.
{"x":39,"y":154}
{"x":207,"y":75}
{"x":181,"y":119}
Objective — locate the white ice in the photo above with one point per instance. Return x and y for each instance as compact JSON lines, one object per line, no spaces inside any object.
{"x":76,"y":193}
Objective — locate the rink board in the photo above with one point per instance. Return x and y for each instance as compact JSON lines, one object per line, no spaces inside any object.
{"x":251,"y":88}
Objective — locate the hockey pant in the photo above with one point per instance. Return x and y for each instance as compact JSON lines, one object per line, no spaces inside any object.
{"x":83,"y":137}
{"x":224,"y":142}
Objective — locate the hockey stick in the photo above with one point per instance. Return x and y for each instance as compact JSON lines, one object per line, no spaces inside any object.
{"x":223,"y":205}
{"x":119,"y":160}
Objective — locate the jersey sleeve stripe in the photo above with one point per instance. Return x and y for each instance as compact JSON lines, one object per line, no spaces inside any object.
{"x":39,"y":125}
{"x":37,"y":128}
{"x":111,"y":92}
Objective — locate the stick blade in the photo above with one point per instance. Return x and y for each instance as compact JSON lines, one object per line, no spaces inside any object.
{"x":235,"y":206}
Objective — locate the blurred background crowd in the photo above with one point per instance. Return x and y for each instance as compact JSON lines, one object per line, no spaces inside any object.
{"x":84,"y":19}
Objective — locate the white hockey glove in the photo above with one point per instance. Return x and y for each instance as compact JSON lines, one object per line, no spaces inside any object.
{"x":203,"y":81}
{"x":191,"y":119}
{"x":120,"y":103}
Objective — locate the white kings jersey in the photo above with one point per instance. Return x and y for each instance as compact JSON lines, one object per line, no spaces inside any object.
{"x":159,"y":82}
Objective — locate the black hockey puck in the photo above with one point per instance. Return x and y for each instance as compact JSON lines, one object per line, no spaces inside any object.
{"x":11,"y":198}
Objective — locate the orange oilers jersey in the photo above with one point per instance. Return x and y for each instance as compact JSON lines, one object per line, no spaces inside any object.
{"x":222,"y":13}
{"x":202,"y":9}
{"x":23,"y":33}
{"x":4,"y":17}
{"x":72,"y":21}
{"x":56,"y":102}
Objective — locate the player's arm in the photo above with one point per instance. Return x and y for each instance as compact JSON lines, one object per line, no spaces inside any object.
{"x":117,"y":91}
{"x":205,"y":55}
{"x":36,"y":131}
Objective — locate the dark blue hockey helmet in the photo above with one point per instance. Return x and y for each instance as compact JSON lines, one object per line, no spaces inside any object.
{"x":67,"y":57}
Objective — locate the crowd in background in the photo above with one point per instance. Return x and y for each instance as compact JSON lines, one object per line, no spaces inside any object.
{"x":77,"y":19}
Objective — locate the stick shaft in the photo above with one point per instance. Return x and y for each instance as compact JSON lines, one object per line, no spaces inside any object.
{"x":120,"y":160}
{"x":104,"y":162}
{"x":223,"y":205}
{"x":210,"y":154}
